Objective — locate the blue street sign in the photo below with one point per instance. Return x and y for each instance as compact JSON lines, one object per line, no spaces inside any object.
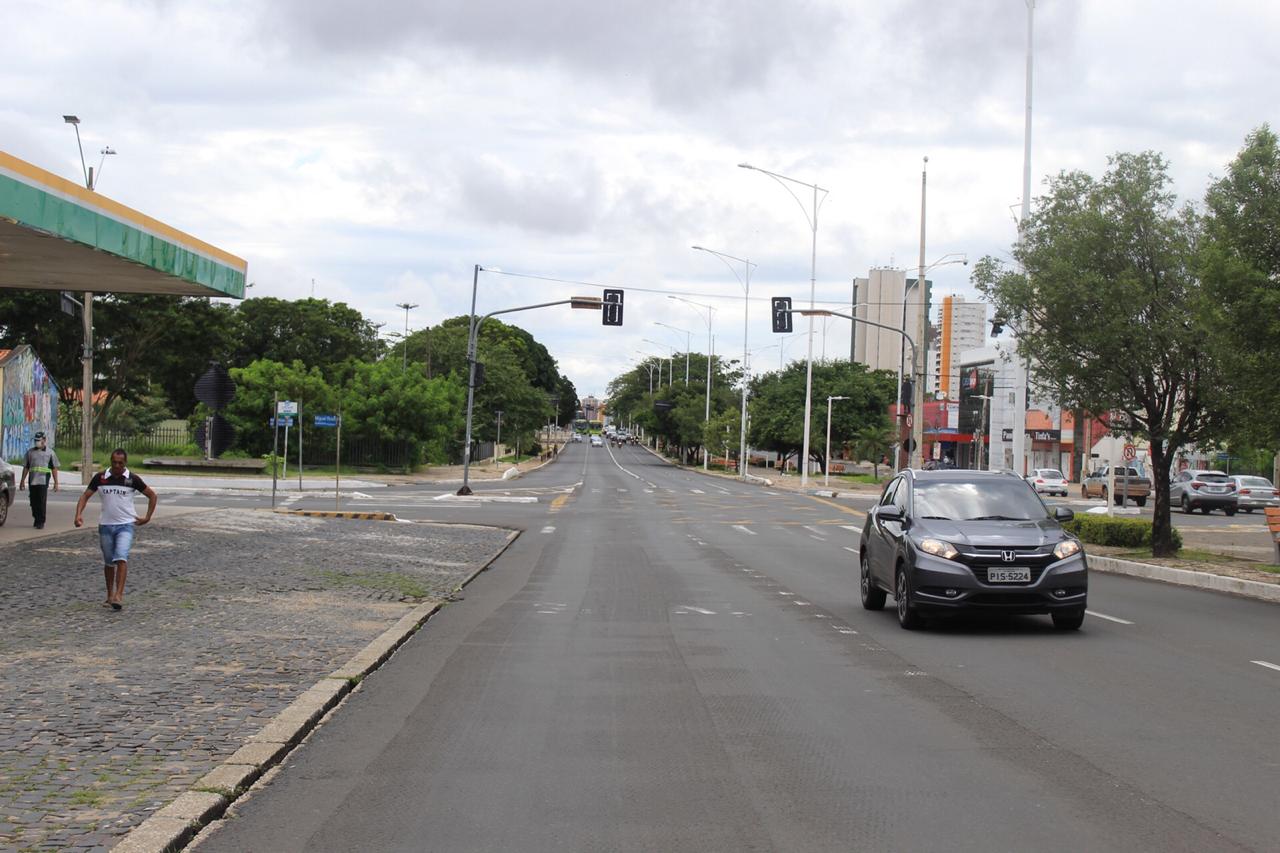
{"x":282,"y":422}
{"x":326,"y":420}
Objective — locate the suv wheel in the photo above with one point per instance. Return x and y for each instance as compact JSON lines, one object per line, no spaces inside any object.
{"x":1104,"y":495}
{"x":1186,"y":505}
{"x":908,"y":616}
{"x":1229,"y":511}
{"x":1068,"y":620}
{"x":4,"y":507}
{"x":872,"y":595}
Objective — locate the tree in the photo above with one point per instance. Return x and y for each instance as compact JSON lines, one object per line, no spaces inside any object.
{"x":386,"y":402}
{"x":873,"y":441}
{"x":316,"y":332}
{"x":1113,"y":317}
{"x":777,"y":405}
{"x":1240,"y":267}
{"x":257,"y":385}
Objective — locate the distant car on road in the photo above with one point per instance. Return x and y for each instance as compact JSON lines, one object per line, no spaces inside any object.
{"x":596,"y":441}
{"x":952,"y":541}
{"x":1255,"y":493}
{"x":1129,"y":484}
{"x":7,"y":489}
{"x":1203,"y":490}
{"x":1048,"y":481}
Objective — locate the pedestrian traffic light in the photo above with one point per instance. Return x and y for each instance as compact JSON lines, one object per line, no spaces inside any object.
{"x":479,"y":374}
{"x":611,"y":314}
{"x":782,"y":315}
{"x":997,"y":326}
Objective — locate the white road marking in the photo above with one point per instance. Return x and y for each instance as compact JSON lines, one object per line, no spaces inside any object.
{"x":703,"y":611}
{"x":622,"y":490}
{"x":812,"y":529}
{"x":548,"y":529}
{"x":724,"y":491}
{"x":800,"y":603}
{"x":1109,"y":618}
{"x":844,"y":630}
{"x":744,"y":529}
{"x":481,"y":499}
{"x":851,"y":550}
{"x":1267,"y":665}
{"x":698,"y":491}
{"x":780,"y":592}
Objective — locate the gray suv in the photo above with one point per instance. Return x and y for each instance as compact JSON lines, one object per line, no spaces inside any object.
{"x":7,"y":489}
{"x":1203,"y":490}
{"x":950,"y":541}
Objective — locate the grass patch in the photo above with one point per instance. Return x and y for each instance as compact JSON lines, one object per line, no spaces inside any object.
{"x":88,"y":797}
{"x":406,"y":585}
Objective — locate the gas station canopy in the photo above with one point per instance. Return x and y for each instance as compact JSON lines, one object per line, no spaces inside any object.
{"x":57,"y":235}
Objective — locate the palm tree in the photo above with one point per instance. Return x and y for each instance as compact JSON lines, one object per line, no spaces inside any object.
{"x":872,"y":442}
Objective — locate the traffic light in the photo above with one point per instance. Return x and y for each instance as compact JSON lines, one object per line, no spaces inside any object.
{"x":479,"y":374}
{"x":782,"y":315}
{"x":908,"y":393}
{"x":997,"y":326}
{"x":611,"y":315}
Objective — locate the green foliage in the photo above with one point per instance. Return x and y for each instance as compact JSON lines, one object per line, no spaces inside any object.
{"x":873,"y":442}
{"x":777,"y":406}
{"x":318,"y":333}
{"x":385,"y":402}
{"x":256,"y":386}
{"x":1122,"y":532}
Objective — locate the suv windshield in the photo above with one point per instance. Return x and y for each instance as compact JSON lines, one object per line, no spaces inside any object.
{"x":988,"y":499}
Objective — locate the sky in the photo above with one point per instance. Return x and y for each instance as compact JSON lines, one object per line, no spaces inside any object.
{"x":374,"y":153}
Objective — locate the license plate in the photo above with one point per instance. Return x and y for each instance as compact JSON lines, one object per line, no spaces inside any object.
{"x":1016,"y":574}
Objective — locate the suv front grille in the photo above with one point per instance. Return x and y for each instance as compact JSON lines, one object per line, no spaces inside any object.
{"x":979,"y":559}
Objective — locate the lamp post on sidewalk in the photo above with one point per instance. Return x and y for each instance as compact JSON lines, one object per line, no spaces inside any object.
{"x":706,"y":452}
{"x":826,"y":470}
{"x":688,"y":345}
{"x":812,"y":219}
{"x":671,"y":354}
{"x":406,"y":306}
{"x":745,"y":281}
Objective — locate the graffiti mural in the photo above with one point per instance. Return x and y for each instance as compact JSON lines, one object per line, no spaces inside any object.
{"x":28,"y":402}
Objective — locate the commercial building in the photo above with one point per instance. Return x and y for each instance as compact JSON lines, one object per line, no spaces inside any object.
{"x":878,"y":298}
{"x":962,"y":326}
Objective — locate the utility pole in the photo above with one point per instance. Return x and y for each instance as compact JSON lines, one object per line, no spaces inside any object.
{"x":405,"y":342}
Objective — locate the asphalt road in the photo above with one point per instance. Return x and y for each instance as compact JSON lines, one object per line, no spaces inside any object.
{"x":666,"y":661}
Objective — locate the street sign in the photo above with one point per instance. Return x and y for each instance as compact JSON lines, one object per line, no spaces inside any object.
{"x":1130,"y":452}
{"x":326,"y":420}
{"x":612,"y":312}
{"x":281,"y":422}
{"x":287,"y":407}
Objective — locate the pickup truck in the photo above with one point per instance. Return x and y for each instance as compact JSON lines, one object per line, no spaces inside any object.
{"x":1129,"y":484}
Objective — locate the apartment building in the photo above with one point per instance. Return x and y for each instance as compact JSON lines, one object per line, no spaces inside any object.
{"x":961,"y":326}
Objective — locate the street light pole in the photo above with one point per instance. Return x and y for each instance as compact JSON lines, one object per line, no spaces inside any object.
{"x":688,"y":345}
{"x":706,"y":418}
{"x":922,"y":326}
{"x":813,"y":278}
{"x":826,"y":470}
{"x":745,"y":281}
{"x":1020,"y":368}
{"x":406,"y":306}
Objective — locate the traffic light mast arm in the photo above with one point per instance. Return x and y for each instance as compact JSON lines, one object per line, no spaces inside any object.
{"x":895,"y":329}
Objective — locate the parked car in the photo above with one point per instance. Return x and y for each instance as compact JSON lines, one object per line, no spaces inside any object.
{"x":1203,"y":490}
{"x":1254,"y":493}
{"x":8,"y":487}
{"x":951,"y":541}
{"x":1130,"y":484}
{"x":1048,"y":481}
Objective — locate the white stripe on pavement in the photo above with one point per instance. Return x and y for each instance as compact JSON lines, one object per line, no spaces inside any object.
{"x":1267,"y":665}
{"x":548,"y":529}
{"x":1109,"y":618}
{"x":744,"y":529}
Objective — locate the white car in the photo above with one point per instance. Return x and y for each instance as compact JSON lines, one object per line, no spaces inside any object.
{"x":596,"y":441}
{"x":1255,"y":493}
{"x":1048,"y":481}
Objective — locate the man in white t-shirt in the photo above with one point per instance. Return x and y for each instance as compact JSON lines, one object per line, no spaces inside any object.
{"x":116,"y":486}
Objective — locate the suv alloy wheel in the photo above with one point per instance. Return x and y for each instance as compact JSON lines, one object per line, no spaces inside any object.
{"x":908,"y":616}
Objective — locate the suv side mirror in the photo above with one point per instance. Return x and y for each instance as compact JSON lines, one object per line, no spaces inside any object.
{"x":1063,"y":513}
{"x":889,"y":512}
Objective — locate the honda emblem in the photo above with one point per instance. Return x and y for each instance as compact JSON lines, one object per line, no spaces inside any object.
{"x":1008,"y":556}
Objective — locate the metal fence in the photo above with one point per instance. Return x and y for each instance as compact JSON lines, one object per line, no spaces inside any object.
{"x":160,"y":440}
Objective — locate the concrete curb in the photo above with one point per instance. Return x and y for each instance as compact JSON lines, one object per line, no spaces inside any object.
{"x":333,"y":513}
{"x":175,"y":825}
{"x":1184,"y":577}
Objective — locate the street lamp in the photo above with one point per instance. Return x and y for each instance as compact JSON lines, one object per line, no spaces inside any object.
{"x":658,"y":358}
{"x":949,"y":258}
{"x":670,"y":356}
{"x":745,"y":282}
{"x":826,"y":470}
{"x":783,"y":180}
{"x":406,"y":306}
{"x":688,"y":345}
{"x":706,"y":451}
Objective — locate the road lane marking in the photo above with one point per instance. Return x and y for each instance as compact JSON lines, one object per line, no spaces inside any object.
{"x":548,"y":529}
{"x":1267,"y":665}
{"x":685,"y":608}
{"x":744,"y":529}
{"x":812,"y":529}
{"x":1108,"y":618}
{"x":698,"y":491}
{"x":853,"y":527}
{"x":851,"y":550}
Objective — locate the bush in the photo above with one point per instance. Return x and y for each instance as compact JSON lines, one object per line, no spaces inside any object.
{"x":1123,"y":532}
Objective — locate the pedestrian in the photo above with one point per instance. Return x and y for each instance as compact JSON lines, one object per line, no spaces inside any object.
{"x":41,"y":464}
{"x":119,"y":518}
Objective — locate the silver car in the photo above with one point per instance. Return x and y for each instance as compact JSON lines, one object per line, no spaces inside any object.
{"x":1203,"y":490}
{"x":8,"y":487}
{"x":1048,"y":481}
{"x":1255,"y":493}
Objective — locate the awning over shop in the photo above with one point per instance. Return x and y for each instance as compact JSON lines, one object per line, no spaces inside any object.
{"x":57,"y":235}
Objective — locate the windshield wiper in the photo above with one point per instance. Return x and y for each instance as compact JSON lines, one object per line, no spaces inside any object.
{"x":995,"y":518}
{"x":938,"y":517}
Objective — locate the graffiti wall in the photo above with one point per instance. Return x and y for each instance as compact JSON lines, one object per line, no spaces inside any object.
{"x":28,"y":403}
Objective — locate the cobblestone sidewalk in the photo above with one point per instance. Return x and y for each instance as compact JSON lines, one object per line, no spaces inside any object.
{"x":107,"y":716}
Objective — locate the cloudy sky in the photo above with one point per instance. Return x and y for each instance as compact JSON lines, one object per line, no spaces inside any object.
{"x":381,"y":149}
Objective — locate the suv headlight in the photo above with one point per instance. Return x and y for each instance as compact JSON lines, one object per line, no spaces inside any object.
{"x":1066,"y":548}
{"x":938,"y":548}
